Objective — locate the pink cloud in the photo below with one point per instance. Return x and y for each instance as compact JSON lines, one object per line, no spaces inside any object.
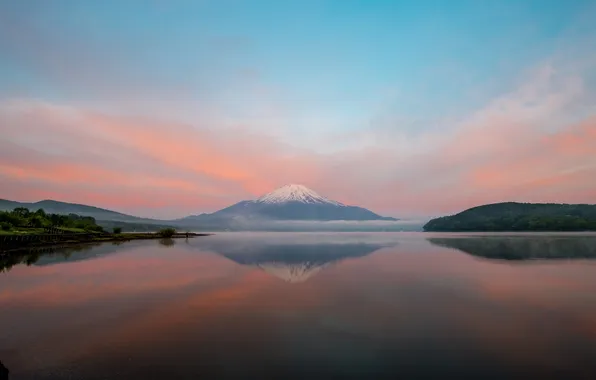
{"x":529,"y":145}
{"x":52,"y":145}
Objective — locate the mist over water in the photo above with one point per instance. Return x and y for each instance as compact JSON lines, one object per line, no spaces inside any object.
{"x":327,"y":226}
{"x":305,"y":305}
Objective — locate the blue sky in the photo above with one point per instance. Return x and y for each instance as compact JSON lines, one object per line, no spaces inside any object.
{"x":322,"y":76}
{"x":344,"y":59}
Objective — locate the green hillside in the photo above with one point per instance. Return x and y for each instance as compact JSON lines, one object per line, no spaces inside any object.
{"x":56,"y":207}
{"x":22,"y":220}
{"x":513,"y":216}
{"x":108,"y":219}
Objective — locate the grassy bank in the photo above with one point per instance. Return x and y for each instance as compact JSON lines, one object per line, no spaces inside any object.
{"x":22,"y":229}
{"x":39,"y":231}
{"x":27,"y":240}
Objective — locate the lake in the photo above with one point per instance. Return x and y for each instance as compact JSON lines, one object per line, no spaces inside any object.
{"x":305,"y":305}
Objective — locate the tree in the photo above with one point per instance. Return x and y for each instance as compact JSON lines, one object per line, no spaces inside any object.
{"x":55,"y":219}
{"x":117,"y":230}
{"x":21,"y":211}
{"x":22,"y":217}
{"x":95,"y":227}
{"x":167,"y":232}
{"x":12,"y":218}
{"x":36,"y":221}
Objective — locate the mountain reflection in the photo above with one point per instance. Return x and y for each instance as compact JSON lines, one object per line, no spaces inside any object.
{"x":292,"y":262}
{"x":522,"y":247}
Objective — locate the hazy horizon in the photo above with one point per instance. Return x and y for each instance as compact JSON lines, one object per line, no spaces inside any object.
{"x":411,"y":109}
{"x":323,"y":225}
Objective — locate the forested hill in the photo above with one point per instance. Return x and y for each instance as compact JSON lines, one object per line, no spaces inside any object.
{"x":513,"y":216}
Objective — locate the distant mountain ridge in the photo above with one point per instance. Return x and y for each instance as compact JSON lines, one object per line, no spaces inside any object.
{"x":57,"y":207}
{"x":105,"y":218}
{"x":513,"y":216}
{"x":293,"y":202}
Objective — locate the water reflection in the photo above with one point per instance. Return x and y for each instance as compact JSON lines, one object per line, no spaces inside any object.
{"x":52,"y":256}
{"x":47,"y":256}
{"x":207,"y":310}
{"x":292,"y":260}
{"x":167,"y":242}
{"x":56,"y":255}
{"x":522,"y":247}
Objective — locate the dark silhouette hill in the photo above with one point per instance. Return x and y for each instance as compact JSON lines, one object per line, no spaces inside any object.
{"x":512,"y":216}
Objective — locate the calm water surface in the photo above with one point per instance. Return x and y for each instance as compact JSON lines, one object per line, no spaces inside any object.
{"x":285,"y":306}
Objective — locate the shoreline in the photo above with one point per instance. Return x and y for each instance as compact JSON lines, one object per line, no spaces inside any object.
{"x":73,"y":240}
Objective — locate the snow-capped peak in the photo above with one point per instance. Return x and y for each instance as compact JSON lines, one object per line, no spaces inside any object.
{"x":295,"y":193}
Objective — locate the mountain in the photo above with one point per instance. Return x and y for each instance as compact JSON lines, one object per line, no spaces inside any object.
{"x":291,"y":202}
{"x":512,"y":216}
{"x":105,"y":218}
{"x":296,"y":205}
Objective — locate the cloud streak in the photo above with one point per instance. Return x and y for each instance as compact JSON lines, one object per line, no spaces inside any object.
{"x":520,"y":147}
{"x":95,"y":121}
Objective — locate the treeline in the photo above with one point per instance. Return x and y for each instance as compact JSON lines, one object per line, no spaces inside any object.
{"x":23,"y":218}
{"x":519,"y":217}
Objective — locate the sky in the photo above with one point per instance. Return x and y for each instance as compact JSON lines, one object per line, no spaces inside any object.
{"x":412,"y":109}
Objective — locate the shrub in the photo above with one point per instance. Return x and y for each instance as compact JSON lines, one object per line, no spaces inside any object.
{"x":12,"y":219}
{"x":81,"y":225}
{"x":36,"y":221}
{"x":117,"y":230}
{"x":167,"y":232}
{"x":21,"y":211}
{"x":21,"y":217}
{"x":94,"y":228}
{"x":5,"y":226}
